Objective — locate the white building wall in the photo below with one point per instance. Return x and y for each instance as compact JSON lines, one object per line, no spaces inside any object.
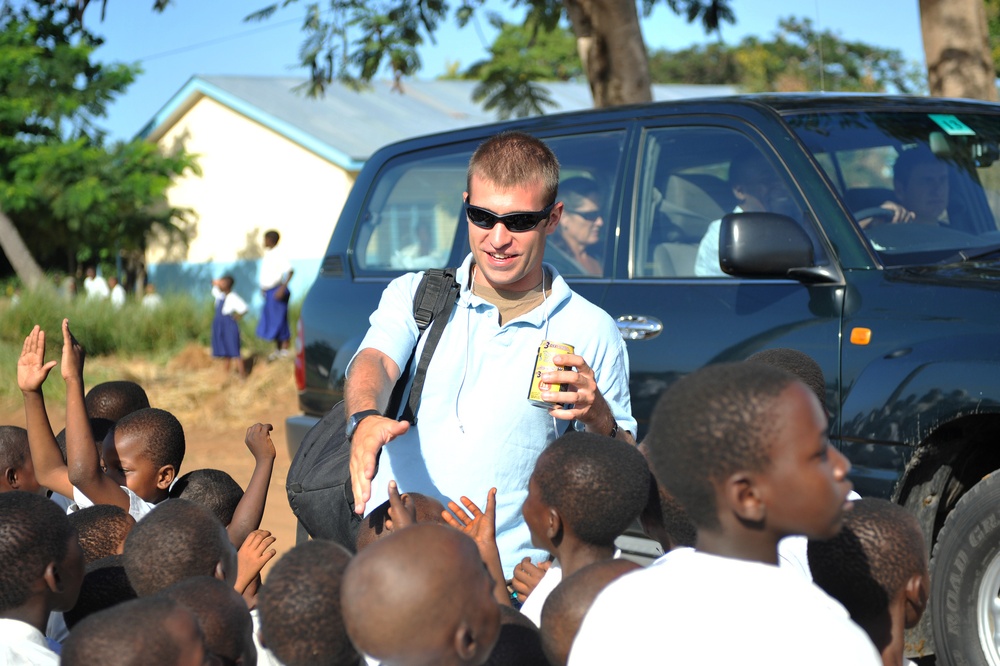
{"x":253,"y":179}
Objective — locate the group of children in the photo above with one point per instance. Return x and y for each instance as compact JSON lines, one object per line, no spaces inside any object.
{"x":766,"y":559}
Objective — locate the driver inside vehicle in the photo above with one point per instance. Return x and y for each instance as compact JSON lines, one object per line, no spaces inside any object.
{"x":920,"y":185}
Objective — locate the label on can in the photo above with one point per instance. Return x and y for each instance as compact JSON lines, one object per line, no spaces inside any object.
{"x":543,"y":363}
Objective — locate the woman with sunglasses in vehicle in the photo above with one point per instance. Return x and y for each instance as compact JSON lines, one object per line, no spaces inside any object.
{"x":578,"y":235}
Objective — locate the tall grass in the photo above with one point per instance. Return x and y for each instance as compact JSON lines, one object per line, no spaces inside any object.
{"x":102,"y":329}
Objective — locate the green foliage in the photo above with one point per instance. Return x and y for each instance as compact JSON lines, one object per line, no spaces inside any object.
{"x":993,"y":27}
{"x":72,"y":197}
{"x":103,"y":329}
{"x":518,"y":57}
{"x":351,"y":41}
{"x":797,"y":58}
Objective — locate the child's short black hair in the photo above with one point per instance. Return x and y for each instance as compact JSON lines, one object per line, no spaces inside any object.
{"x":211,"y":488}
{"x":879,"y":548}
{"x":102,"y":529}
{"x":221,"y":612}
{"x":597,"y":484}
{"x":710,"y":424}
{"x":33,"y":533}
{"x":108,"y":637}
{"x":272,"y":235}
{"x":99,"y":428}
{"x":176,"y":540}
{"x":162,"y":433}
{"x":115,"y":400}
{"x":519,"y":643}
{"x":104,"y":585}
{"x":300,"y":618}
{"x":14,"y":449}
{"x":797,"y":363}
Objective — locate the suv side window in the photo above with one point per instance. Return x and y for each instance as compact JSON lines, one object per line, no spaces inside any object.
{"x":690,"y":178}
{"x":589,"y":167}
{"x":412,"y":216}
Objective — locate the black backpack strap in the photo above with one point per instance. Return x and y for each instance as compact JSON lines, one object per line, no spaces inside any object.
{"x":432,"y":305}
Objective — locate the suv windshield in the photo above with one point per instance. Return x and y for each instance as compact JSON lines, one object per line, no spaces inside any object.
{"x":924,"y":187}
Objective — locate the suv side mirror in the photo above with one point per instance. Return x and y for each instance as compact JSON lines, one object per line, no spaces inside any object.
{"x":766,"y":245}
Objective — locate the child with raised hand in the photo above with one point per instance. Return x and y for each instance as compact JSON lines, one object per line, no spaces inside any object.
{"x":877,"y":568}
{"x":744,"y":448}
{"x":139,"y":458}
{"x":421,"y":597}
{"x":481,"y":527}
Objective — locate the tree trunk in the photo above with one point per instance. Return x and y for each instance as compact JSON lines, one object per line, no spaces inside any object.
{"x":20,"y":258}
{"x":612,"y":51}
{"x":956,"y":45}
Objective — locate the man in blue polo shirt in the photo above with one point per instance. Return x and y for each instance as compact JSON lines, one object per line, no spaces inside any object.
{"x":475,"y":427}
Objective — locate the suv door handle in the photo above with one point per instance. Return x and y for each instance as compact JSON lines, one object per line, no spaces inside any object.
{"x":639,"y":327}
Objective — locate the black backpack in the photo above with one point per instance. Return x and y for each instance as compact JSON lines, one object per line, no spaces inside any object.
{"x":319,"y":477}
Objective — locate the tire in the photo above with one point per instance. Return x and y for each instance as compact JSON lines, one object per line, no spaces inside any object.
{"x":965,"y":580}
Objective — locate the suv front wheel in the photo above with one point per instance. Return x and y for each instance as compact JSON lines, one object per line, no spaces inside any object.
{"x":965,"y":580}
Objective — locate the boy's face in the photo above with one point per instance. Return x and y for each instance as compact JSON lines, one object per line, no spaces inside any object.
{"x":805,"y":487}
{"x":127,"y":465}
{"x":536,"y":515}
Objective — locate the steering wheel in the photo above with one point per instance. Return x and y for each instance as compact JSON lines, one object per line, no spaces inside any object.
{"x":873,"y":211}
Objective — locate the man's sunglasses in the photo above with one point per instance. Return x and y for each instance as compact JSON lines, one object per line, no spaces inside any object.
{"x":516,"y":222}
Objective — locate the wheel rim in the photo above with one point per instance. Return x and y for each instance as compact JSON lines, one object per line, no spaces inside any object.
{"x":988,"y":613}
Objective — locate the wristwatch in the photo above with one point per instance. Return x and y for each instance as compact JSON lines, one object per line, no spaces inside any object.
{"x":358,"y":417}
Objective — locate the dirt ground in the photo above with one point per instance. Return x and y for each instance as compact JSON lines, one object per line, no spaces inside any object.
{"x":215,"y":410}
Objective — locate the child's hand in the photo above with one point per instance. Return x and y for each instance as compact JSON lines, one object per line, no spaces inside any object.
{"x":259,"y":442}
{"x":32,"y":370}
{"x":252,"y":556}
{"x":402,"y":510}
{"x":482,"y":527}
{"x":73,"y":355}
{"x":527,"y":576}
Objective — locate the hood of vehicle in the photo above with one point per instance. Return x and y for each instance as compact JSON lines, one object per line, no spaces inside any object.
{"x":981,"y":274}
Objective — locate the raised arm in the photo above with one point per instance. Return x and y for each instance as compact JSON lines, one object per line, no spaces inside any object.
{"x":32,"y":370}
{"x":250,"y":510}
{"x":482,"y":528}
{"x":369,"y":384}
{"x":82,"y":458}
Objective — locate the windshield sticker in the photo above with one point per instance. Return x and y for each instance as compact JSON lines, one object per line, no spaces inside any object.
{"x":951,"y":124}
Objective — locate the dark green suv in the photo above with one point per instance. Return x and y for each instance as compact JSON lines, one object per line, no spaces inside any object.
{"x":865,"y":234}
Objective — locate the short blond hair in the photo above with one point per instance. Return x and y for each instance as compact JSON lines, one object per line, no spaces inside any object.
{"x":512,"y":159}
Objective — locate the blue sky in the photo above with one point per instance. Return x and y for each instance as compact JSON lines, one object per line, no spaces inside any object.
{"x":209,"y":37}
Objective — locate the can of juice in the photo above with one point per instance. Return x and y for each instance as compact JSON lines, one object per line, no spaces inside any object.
{"x":543,"y":363}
